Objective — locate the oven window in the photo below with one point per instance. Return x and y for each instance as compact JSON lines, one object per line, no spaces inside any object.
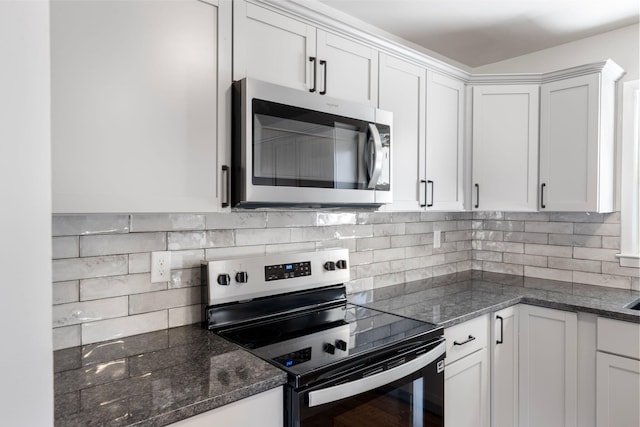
{"x":296,"y":147}
{"x":414,"y":401}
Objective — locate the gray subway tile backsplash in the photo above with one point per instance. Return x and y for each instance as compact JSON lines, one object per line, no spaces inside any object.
{"x":102,"y":287}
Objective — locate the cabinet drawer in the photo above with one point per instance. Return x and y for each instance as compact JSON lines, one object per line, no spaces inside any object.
{"x":618,"y":337}
{"x":470,"y":336}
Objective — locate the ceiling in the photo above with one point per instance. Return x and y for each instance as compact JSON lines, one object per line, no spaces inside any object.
{"x":479,"y":32}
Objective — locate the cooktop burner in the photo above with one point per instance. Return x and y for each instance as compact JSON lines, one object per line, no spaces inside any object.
{"x":304,"y":342}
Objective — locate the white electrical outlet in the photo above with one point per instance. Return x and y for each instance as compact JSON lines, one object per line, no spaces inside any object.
{"x":160,"y":266}
{"x":437,"y":239}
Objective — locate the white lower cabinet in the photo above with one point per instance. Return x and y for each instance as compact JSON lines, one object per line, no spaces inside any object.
{"x":265,"y":410}
{"x":548,"y":367}
{"x":504,"y":368}
{"x":466,"y":378}
{"x":618,"y":375}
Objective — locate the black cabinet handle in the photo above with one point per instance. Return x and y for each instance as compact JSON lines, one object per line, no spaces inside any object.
{"x":542,"y":205}
{"x":324,"y":87}
{"x":312,"y":59}
{"x":422,"y":181}
{"x":432,"y":185}
{"x":477,"y":196}
{"x":468,"y":340}
{"x":225,"y":172}
{"x":501,"y":340}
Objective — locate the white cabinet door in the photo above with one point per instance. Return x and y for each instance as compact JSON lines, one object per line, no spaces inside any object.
{"x":264,"y":409}
{"x":618,"y":391}
{"x":402,"y":91}
{"x":135,"y":103}
{"x":272,"y":47}
{"x":505,"y":147}
{"x":466,"y":391}
{"x":277,"y":48}
{"x":347,"y":69}
{"x":504,"y":368}
{"x":576,"y":146}
{"x":548,"y":367}
{"x":445,"y":126}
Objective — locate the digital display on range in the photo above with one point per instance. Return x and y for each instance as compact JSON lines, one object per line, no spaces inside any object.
{"x":294,"y":358}
{"x":287,"y":271}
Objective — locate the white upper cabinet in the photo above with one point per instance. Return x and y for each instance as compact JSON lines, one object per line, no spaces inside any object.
{"x":445,"y":127}
{"x":505,"y":147}
{"x":346,"y":69}
{"x":402,"y":91}
{"x":135,"y":106}
{"x":428,"y":115}
{"x":273,"y":47}
{"x":577,"y":148}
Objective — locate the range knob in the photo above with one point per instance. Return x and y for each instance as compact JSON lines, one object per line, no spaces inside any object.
{"x":242,"y":277}
{"x":329,"y":348}
{"x":341,"y":345}
{"x":224,"y":279}
{"x":341,"y":264}
{"x":330,"y":266}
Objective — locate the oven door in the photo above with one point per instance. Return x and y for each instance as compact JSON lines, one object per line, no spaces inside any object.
{"x":406,"y":390}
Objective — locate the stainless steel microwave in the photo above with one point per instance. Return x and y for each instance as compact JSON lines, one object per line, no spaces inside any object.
{"x":295,"y":148}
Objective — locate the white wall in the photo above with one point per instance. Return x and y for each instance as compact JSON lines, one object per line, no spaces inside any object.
{"x":620,"y":45}
{"x":26,"y":387}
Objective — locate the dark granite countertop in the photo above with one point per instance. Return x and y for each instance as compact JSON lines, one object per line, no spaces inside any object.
{"x":165,"y":376}
{"x":448,"y":300}
{"x":155,"y":378}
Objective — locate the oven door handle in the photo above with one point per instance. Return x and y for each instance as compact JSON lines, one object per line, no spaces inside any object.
{"x":342,"y":391}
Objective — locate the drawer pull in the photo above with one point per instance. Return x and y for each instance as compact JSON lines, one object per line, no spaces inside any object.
{"x":468,"y":340}
{"x":501,"y":340}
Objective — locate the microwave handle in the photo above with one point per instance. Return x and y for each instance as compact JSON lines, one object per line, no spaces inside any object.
{"x":342,"y":391}
{"x":376,"y":170}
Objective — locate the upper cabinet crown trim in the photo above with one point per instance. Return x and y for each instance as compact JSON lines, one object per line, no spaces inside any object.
{"x":609,"y":68}
{"x":319,"y":15}
{"x":322,"y":16}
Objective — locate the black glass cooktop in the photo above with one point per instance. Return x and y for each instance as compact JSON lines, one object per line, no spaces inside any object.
{"x":314,"y":340}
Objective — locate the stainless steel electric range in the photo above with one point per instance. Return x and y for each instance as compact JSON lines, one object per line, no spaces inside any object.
{"x":347,"y":365}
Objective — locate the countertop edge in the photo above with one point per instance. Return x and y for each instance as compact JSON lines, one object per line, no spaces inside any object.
{"x":602,"y":312}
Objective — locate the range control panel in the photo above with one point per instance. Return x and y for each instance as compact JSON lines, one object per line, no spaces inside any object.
{"x":239,"y":279}
{"x":287,"y":271}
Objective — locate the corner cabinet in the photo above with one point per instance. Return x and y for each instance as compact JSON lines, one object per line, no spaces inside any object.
{"x":272,"y":46}
{"x":139,"y":105}
{"x":577,"y":142}
{"x":505,"y":147}
{"x":548,"y":367}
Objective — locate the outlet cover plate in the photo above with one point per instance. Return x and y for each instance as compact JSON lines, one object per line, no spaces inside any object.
{"x":160,"y":266}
